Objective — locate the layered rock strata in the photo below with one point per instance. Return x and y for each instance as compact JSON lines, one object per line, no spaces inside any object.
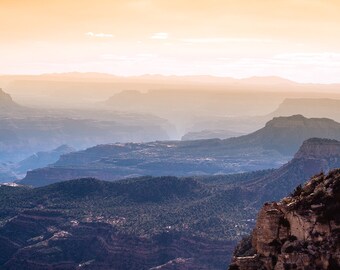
{"x":299,"y":232}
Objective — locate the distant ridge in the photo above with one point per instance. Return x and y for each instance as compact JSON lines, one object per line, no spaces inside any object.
{"x":42,"y":159}
{"x":210,"y":134}
{"x":309,"y":107}
{"x":271,"y":80}
{"x":267,"y":148}
{"x":6,"y":101}
{"x":264,"y":80}
{"x":286,"y":134}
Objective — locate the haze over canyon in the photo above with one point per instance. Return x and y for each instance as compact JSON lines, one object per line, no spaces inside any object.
{"x":169,"y":135}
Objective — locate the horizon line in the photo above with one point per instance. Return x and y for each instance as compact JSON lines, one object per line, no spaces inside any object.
{"x":283,"y":79}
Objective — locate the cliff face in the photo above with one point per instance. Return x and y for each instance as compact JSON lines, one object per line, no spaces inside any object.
{"x":299,"y":232}
{"x":286,"y":134}
{"x":315,"y":148}
{"x":314,"y":156}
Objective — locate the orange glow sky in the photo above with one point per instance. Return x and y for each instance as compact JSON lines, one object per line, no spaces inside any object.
{"x":295,"y":39}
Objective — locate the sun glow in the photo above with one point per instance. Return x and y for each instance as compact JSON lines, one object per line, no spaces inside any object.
{"x":295,"y":39}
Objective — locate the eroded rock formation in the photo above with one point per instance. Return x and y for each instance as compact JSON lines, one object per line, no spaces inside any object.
{"x":299,"y":232}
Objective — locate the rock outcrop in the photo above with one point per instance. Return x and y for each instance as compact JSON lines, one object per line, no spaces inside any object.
{"x":299,"y":232}
{"x":316,"y":148}
{"x":286,"y":134}
{"x":314,"y":156}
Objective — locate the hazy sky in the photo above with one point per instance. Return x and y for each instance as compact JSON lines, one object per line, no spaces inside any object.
{"x":296,"y":39}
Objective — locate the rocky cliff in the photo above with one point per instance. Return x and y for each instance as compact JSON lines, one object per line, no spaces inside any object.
{"x":286,"y":134}
{"x":314,"y":156}
{"x":316,"y":148}
{"x":299,"y":232}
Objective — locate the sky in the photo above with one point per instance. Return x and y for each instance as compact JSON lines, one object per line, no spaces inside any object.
{"x":294,"y":39}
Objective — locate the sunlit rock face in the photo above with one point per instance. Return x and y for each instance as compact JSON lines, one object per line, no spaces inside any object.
{"x":299,"y":232}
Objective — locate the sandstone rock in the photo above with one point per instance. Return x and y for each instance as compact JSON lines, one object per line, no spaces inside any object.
{"x":301,"y":232}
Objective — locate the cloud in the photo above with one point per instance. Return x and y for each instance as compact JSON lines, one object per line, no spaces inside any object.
{"x":98,"y":35}
{"x":160,"y":35}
